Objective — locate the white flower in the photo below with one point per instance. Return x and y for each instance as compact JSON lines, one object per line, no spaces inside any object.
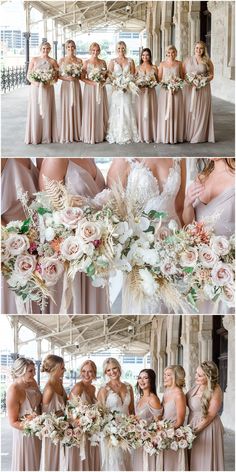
{"x":17,"y":244}
{"x":209,"y":291}
{"x":174,"y":446}
{"x":14,"y":224}
{"x":173,"y":225}
{"x":222,"y":274}
{"x":139,"y":224}
{"x":168,"y":268}
{"x":220,"y":245}
{"x":49,"y":234}
{"x":148,"y":282}
{"x":88,"y":231}
{"x":228,"y":294}
{"x":52,"y":269}
{"x":24,"y":266}
{"x":183,"y":444}
{"x":123,"y":231}
{"x":188,"y":258}
{"x":70,"y":217}
{"x":162,"y":233}
{"x":207,"y":257}
{"x":71,"y":248}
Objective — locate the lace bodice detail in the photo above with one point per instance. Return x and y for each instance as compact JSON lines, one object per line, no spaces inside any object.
{"x":143,"y":187}
{"x":118,"y":70}
{"x":192,"y":66}
{"x":169,"y":72}
{"x":115,"y":402}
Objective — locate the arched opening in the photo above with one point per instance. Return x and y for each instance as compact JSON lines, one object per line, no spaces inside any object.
{"x":205,"y":25}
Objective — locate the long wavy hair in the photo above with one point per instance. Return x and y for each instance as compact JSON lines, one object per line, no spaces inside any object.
{"x":206,"y":166}
{"x":152,"y":380}
{"x":211,"y":372}
{"x":150,"y":55}
{"x":205,"y":57}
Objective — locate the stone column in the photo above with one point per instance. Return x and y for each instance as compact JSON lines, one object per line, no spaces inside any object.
{"x":181,"y":29}
{"x":205,"y":338}
{"x":27,"y":53}
{"x":231,"y":63}
{"x":194,"y":20}
{"x":15,"y":333}
{"x":228,"y":415}
{"x":155,"y":47}
{"x":189,"y":341}
{"x":55,"y":43}
{"x":153,"y":347}
{"x":161,"y":367}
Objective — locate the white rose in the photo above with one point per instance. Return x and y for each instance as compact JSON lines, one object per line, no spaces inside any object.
{"x":168,"y":268}
{"x":189,"y":257}
{"x":25,"y":265}
{"x":207,"y":257}
{"x":89,"y":231}
{"x":162,"y":233}
{"x":173,"y":225}
{"x":51,"y":269}
{"x":228,"y":294}
{"x":70,"y":217}
{"x":123,"y":231}
{"x":71,"y":248}
{"x":49,"y":234}
{"x":220,"y":245}
{"x":16,"y":244}
{"x":174,"y":446}
{"x":183,"y":444}
{"x":222,"y":274}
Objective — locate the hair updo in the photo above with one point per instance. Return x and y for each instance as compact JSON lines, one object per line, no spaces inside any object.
{"x":19,"y":367}
{"x":51,"y":362}
{"x":179,"y":374}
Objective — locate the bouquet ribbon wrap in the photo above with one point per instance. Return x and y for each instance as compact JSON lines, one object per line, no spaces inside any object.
{"x":169,"y":102}
{"x":41,"y":100}
{"x":98,"y":93}
{"x":193,"y":101}
{"x":72,"y":93}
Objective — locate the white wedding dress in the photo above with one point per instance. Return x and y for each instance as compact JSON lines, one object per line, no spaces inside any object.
{"x":114,"y":458}
{"x":122,"y":125}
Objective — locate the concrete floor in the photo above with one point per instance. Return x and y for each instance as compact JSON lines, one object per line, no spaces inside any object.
{"x":229,"y":443}
{"x":14,"y":109}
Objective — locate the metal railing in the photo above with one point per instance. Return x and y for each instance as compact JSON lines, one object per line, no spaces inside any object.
{"x":12,"y":77}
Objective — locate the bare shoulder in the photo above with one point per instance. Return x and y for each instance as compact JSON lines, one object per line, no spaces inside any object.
{"x":154,"y":401}
{"x":77,"y":389}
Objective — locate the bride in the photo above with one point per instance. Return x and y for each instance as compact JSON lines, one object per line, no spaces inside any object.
{"x":116,"y":396}
{"x":154,"y":184}
{"x":122,"y":127}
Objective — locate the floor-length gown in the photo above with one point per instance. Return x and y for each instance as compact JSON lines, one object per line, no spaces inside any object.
{"x":170,"y":115}
{"x":53,"y":455}
{"x":122,"y":125}
{"x":15,"y":178}
{"x":26,"y":451}
{"x":85,"y":298}
{"x":94,"y":111}
{"x":142,"y":460}
{"x":92,"y":456}
{"x":220,"y":212}
{"x":199,"y":126}
{"x":71,"y":111}
{"x":114,"y":458}
{"x":144,"y":188}
{"x":41,"y":124}
{"x":207,"y":452}
{"x":173,"y":460}
{"x":146,"y":111}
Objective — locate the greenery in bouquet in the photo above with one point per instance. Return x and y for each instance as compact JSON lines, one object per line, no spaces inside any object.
{"x":46,"y":77}
{"x":120,"y":430}
{"x":196,"y":80}
{"x":161,"y":435}
{"x":71,"y":70}
{"x":173,"y":84}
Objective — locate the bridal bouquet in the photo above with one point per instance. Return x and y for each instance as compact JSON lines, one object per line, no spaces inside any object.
{"x":196,"y":80}
{"x":123,"y":83}
{"x":46,"y":77}
{"x":173,"y":84}
{"x":71,"y":70}
{"x":98,"y":75}
{"x":146,"y":81}
{"x":122,"y":431}
{"x":161,"y":435}
{"x":47,"y":425}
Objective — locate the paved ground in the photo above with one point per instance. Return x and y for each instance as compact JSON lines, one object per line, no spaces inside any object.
{"x":6,"y":448}
{"x":14,"y":109}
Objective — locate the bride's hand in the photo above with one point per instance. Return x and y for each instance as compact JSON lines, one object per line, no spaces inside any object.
{"x":194,"y":191}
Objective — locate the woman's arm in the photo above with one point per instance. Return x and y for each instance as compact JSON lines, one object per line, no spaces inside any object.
{"x":214,"y":407}
{"x":181,"y":70}
{"x":131,"y":405}
{"x":180,"y":403}
{"x":132,"y":67}
{"x":179,"y":201}
{"x":54,"y":168}
{"x":160,"y":72}
{"x":117,"y":171}
{"x":194,"y":191}
{"x":76,"y":391}
{"x":13,"y":407}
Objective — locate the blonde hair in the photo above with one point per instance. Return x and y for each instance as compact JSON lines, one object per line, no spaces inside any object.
{"x":211,"y":372}
{"x":121,"y":43}
{"x":92,"y":364}
{"x":206,"y":166}
{"x":205,"y":57}
{"x":179,"y":374}
{"x":111,"y":360}
{"x":70,"y":41}
{"x":50,"y":363}
{"x":19,"y":367}
{"x":93,"y":45}
{"x":171,"y":47}
{"x":45,"y":43}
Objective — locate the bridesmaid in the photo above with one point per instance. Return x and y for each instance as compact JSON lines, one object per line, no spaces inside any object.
{"x":82,"y":177}
{"x":174,"y":404}
{"x":86,"y":392}
{"x":211,"y":198}
{"x":23,"y":399}
{"x":24,"y":174}
{"x":199,"y":120}
{"x":54,"y":401}
{"x":70,"y":97}
{"x":146,"y":110}
{"x":204,"y":402}
{"x":95,"y":105}
{"x":147,"y":408}
{"x":170,"y":116}
{"x":41,"y":125}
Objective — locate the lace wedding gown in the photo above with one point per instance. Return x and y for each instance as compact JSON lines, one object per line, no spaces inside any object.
{"x":114,"y":458}
{"x":122,"y":127}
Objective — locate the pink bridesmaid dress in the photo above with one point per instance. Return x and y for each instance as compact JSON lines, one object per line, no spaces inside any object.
{"x":207,"y":452}
{"x":146,"y":111}
{"x":170,"y":116}
{"x":41,"y":124}
{"x":71,"y":111}
{"x":199,"y":126}
{"x":15,"y":177}
{"x":26,"y":451}
{"x":92,"y":456}
{"x":86,"y":298}
{"x":173,"y":460}
{"x":94,"y":112}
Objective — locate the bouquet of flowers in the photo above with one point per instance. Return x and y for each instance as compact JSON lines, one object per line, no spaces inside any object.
{"x":47,"y":425}
{"x":196,"y":80}
{"x":97,"y":75}
{"x":173,"y":84}
{"x":123,"y":431}
{"x":146,"y":81}
{"x":71,"y":70}
{"x":123,"y":83}
{"x":46,"y":77}
{"x":161,"y":435}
